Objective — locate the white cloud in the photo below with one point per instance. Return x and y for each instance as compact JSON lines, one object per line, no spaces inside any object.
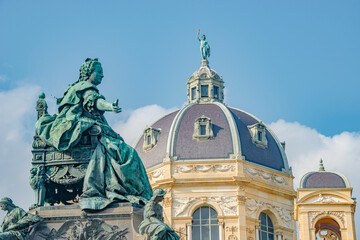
{"x":305,"y":147}
{"x":17,"y":111}
{"x":132,"y":128}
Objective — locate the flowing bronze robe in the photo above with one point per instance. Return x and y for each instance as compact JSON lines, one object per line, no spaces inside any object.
{"x":115,"y":171}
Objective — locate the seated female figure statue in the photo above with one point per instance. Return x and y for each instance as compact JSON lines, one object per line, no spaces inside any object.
{"x":115,"y":171}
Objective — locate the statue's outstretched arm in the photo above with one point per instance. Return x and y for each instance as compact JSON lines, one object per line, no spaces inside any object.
{"x":198,"y":35}
{"x":103,"y":105}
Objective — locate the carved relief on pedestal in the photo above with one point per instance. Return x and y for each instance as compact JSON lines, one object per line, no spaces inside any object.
{"x":314,"y":216}
{"x":253,"y":206}
{"x":222,"y":168}
{"x":76,"y":229}
{"x":270,"y":177}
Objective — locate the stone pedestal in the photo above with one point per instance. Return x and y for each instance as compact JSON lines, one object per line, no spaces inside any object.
{"x":119,"y":221}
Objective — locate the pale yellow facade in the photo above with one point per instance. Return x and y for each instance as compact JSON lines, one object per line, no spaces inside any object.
{"x":238,"y":190}
{"x":314,"y":205}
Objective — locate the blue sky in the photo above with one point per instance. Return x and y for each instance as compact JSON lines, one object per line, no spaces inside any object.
{"x":297,"y":61}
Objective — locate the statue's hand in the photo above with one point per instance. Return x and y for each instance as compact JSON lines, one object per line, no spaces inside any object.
{"x":115,"y":106}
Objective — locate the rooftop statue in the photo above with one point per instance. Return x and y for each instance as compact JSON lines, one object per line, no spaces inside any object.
{"x":16,"y":222}
{"x":153,"y":224}
{"x":204,"y":46}
{"x":115,"y":171}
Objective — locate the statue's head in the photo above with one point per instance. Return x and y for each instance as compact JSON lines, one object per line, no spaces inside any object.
{"x":203,"y":37}
{"x":91,"y":70}
{"x":5,"y":203}
{"x":158,"y":194}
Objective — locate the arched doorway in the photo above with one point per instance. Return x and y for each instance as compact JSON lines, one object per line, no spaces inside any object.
{"x":327,"y":229}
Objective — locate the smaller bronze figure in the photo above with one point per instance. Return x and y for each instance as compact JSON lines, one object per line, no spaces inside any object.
{"x":204,"y":46}
{"x":16,"y":222}
{"x":153,"y":224}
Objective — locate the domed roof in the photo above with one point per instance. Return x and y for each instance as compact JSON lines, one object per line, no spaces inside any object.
{"x":231,"y":138}
{"x":324,"y":179}
{"x":207,"y":129}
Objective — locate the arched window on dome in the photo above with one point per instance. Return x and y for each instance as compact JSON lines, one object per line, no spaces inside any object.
{"x":205,"y":225}
{"x":266,"y":230}
{"x":203,"y":128}
{"x":150,"y":138}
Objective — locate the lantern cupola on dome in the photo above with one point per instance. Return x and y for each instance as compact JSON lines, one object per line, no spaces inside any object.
{"x":205,"y":85}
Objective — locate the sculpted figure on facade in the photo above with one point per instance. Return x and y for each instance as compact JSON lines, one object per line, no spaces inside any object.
{"x":115,"y":171}
{"x":204,"y":46}
{"x":16,"y":222}
{"x":153,"y":224}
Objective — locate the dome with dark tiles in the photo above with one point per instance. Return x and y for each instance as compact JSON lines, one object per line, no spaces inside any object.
{"x":324,"y":179}
{"x":207,"y":129}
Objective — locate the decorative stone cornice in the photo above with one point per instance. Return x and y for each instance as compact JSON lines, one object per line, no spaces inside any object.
{"x":204,"y":168}
{"x":266,"y":176}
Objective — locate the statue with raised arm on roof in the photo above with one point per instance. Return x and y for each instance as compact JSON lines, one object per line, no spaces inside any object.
{"x":204,"y":46}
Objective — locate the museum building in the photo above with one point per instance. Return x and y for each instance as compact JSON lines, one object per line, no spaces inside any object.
{"x":227,"y":176}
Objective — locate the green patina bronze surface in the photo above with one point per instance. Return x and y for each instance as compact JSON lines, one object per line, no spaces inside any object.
{"x":115,"y":171}
{"x":153,"y":224}
{"x":16,"y":222}
{"x":204,"y":46}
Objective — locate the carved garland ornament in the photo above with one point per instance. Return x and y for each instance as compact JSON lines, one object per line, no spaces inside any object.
{"x":156,"y":174}
{"x":204,"y":168}
{"x":253,"y":206}
{"x":228,"y":205}
{"x":315,"y":215}
{"x":266,"y":176}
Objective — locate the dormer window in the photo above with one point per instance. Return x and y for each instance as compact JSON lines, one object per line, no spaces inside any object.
{"x":151,"y":136}
{"x":203,"y":128}
{"x":258,"y":134}
{"x":204,"y":90}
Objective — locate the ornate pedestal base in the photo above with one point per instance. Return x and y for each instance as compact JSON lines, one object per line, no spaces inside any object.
{"x":119,"y":221}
